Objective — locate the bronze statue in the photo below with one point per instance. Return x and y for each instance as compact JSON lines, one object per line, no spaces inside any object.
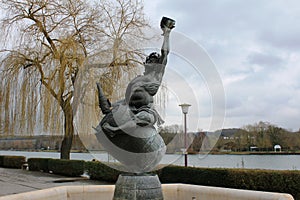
{"x":127,"y":130}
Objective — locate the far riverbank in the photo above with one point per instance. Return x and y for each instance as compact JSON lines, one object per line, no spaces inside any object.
{"x":254,"y":153}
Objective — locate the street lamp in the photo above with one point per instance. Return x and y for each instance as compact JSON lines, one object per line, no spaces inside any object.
{"x":185,"y":109}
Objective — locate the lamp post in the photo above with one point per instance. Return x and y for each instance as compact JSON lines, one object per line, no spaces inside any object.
{"x":185,"y":109}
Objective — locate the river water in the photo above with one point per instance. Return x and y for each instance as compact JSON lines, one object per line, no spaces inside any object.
{"x":277,"y":162}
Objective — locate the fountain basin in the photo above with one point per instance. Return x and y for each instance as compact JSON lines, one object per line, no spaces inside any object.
{"x":170,"y":192}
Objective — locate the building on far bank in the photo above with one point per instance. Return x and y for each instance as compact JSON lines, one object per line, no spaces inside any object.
{"x":277,"y":147}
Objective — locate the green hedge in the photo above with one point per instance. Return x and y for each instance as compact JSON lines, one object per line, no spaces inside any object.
{"x":12,"y":161}
{"x":99,"y":171}
{"x":66,"y":167}
{"x":1,"y":161}
{"x":38,"y":164}
{"x":284,"y":181}
{"x":193,"y":175}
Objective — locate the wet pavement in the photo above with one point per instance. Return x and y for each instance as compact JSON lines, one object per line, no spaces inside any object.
{"x":14,"y":181}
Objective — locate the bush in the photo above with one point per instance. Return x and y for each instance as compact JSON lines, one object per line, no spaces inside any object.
{"x":283,"y":181}
{"x":12,"y":161}
{"x":66,"y":167}
{"x":192,"y":175}
{"x":38,"y":164}
{"x":1,"y":161}
{"x":100,"y":171}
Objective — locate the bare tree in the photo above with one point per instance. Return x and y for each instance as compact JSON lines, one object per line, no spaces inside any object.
{"x":48,"y":42}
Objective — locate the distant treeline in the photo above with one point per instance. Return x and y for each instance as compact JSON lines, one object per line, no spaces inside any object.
{"x":261,"y":136}
{"x":41,"y":142}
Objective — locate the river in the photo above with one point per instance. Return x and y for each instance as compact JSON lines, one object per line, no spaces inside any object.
{"x":277,"y":162}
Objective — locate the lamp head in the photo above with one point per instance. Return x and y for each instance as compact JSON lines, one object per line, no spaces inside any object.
{"x":185,"y":107}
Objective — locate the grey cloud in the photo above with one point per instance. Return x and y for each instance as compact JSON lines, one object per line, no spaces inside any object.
{"x":274,"y":23}
{"x":264,"y":59}
{"x":288,"y":39}
{"x":258,"y":39}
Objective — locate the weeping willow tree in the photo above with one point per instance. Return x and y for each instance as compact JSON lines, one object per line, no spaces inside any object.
{"x":48,"y":47}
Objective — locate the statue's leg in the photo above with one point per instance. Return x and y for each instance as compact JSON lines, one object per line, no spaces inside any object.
{"x":104,"y":103}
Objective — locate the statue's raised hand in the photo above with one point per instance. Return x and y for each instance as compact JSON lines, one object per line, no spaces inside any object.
{"x":167,"y":25}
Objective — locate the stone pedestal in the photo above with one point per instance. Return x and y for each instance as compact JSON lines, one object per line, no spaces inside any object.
{"x":138,"y":187}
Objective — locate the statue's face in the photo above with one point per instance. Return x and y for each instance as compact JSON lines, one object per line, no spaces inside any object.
{"x":139,"y":97}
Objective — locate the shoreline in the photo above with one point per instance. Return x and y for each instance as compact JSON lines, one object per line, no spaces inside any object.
{"x":190,"y":153}
{"x":255,"y":153}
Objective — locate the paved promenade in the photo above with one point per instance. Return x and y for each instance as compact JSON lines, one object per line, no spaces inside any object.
{"x":13,"y":181}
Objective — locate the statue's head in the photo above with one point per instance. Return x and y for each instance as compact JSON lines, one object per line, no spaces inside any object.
{"x":153,"y":58}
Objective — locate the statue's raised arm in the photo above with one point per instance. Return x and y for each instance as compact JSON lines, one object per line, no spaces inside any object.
{"x":166,"y":25}
{"x":155,"y":63}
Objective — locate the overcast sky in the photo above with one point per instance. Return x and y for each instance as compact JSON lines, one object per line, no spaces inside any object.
{"x":255,"y":46}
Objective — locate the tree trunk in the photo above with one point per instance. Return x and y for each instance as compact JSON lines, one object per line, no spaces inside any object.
{"x":68,"y":132}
